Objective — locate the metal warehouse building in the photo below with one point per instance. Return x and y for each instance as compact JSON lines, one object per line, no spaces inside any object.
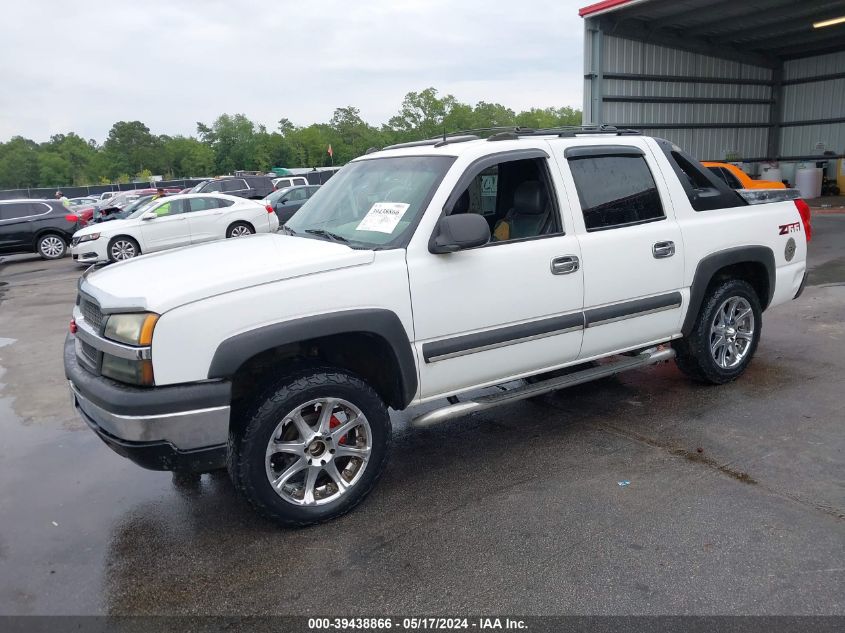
{"x":740,"y":80}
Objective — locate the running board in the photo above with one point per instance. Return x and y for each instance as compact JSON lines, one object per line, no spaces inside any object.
{"x":529,"y":390}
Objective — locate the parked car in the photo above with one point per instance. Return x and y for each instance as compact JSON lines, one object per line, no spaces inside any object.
{"x":107,"y":194}
{"x":171,"y":222}
{"x":735,"y":178}
{"x":419,"y":275}
{"x":286,"y":202}
{"x":84,"y":214}
{"x":252,"y":187}
{"x":289,"y":181}
{"x":45,"y":227}
{"x":124,"y":198}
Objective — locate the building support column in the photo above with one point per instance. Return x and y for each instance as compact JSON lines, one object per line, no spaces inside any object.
{"x":775,"y":114}
{"x":596,"y":116}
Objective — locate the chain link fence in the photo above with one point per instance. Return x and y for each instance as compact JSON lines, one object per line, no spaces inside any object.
{"x":39,"y":193}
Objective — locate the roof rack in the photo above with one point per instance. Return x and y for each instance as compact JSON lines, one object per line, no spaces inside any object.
{"x":446,"y":139}
{"x":509,"y":133}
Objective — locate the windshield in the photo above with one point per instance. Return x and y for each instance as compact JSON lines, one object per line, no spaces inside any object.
{"x":197,"y":188}
{"x":372,"y":203}
{"x":277,"y":195}
{"x":139,"y":207}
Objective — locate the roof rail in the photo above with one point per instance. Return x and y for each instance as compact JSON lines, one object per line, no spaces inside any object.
{"x":513,"y":132}
{"x":446,"y":139}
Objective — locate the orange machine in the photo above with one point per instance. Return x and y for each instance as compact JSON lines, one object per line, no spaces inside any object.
{"x":738,"y":179}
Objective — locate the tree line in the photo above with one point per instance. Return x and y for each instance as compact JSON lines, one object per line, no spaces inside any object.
{"x":131,"y":151}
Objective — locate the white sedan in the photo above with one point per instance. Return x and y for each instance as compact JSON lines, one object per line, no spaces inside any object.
{"x":171,"y":222}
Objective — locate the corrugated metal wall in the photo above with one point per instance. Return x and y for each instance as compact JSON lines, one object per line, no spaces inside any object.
{"x":815,"y":100}
{"x":621,"y":55}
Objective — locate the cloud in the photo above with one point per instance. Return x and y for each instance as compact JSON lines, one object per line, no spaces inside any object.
{"x":175,"y":62}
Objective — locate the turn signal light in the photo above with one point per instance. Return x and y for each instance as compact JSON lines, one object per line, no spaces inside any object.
{"x":804,"y":212}
{"x":73,"y":326}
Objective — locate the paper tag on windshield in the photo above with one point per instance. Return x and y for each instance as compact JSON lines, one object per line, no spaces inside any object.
{"x":383,"y":217}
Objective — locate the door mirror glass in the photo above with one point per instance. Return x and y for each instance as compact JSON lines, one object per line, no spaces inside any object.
{"x":457,"y":232}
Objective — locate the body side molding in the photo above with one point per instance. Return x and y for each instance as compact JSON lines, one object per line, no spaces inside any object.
{"x":236,"y":350}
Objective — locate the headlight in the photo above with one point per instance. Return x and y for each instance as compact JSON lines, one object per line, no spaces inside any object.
{"x":133,"y":372}
{"x":89,"y":238}
{"x":132,"y":329}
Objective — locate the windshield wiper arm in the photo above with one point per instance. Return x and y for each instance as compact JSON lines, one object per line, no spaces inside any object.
{"x":324,"y":233}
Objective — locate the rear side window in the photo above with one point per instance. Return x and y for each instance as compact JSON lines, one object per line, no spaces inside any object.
{"x":615,"y":191}
{"x":732,"y":181}
{"x":15,"y":210}
{"x":234,"y":185}
{"x":201,"y":204}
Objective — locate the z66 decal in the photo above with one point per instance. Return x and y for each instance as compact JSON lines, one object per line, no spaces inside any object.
{"x":793,"y":227}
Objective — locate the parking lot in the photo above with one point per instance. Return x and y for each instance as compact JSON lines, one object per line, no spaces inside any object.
{"x":736,"y":501}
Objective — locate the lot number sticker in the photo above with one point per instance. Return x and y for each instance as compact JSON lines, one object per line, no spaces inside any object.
{"x":383,"y":217}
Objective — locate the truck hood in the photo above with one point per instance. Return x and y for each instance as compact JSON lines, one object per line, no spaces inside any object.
{"x":161,"y":281}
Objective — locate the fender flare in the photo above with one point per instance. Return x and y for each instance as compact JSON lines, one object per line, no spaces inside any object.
{"x":236,"y":350}
{"x":708,"y":267}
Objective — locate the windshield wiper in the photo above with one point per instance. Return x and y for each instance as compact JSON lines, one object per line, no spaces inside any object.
{"x":334,"y":237}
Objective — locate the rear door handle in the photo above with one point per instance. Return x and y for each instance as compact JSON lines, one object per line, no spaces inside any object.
{"x":565,"y":265}
{"x":661,"y":250}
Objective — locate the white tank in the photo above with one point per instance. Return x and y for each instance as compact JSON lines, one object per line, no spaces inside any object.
{"x":808,"y":181}
{"x":770,"y":172}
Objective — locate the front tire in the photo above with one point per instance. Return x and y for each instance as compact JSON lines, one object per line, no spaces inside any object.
{"x":51,"y":246}
{"x":122,"y":248}
{"x":311,"y":448}
{"x":725,"y":335}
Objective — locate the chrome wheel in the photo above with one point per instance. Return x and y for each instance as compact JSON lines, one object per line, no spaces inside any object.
{"x":52,"y":246}
{"x":318,"y":452}
{"x":123,"y":249}
{"x":240,"y":231}
{"x":732,"y":332}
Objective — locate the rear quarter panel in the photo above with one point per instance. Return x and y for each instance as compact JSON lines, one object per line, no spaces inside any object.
{"x":708,"y":232}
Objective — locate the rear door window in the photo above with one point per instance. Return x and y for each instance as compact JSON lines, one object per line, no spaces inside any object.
{"x":236,"y":184}
{"x":214,"y":185}
{"x":202,"y":204}
{"x":615,"y":191}
{"x":16,"y":210}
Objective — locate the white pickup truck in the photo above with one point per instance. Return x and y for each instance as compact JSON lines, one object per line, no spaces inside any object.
{"x":531,"y":260}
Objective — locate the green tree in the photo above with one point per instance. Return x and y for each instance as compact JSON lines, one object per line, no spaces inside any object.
{"x":53,"y":170}
{"x":19,"y":163}
{"x":422,"y":114}
{"x":130,"y":148}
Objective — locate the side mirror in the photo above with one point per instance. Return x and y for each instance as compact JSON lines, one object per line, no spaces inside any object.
{"x":283,"y":201}
{"x":149,"y":215}
{"x":457,"y":232}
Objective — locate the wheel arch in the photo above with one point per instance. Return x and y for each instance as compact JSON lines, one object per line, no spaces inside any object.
{"x":114,"y":238}
{"x":754,"y":264}
{"x":370,"y":342}
{"x":49,"y":230}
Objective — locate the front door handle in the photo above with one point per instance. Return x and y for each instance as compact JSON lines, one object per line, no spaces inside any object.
{"x":565,"y":265}
{"x":661,"y":250}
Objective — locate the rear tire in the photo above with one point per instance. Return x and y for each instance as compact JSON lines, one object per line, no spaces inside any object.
{"x":296,"y":464}
{"x":239,"y":229}
{"x":51,"y":246}
{"x":725,"y":335}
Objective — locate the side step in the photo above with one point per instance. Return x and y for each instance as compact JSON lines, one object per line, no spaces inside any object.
{"x":648,"y":357}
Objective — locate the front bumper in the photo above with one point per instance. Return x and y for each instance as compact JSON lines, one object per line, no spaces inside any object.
{"x":180,"y":427}
{"x":90,"y":252}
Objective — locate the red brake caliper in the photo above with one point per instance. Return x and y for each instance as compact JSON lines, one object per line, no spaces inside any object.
{"x":333,"y":423}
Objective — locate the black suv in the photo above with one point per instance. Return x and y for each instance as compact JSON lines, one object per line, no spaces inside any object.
{"x":36,"y":226}
{"x":252,"y":187}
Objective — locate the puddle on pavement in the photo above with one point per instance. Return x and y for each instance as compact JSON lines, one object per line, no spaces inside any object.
{"x":70,"y":510}
{"x":6,"y":341}
{"x":831,"y":272}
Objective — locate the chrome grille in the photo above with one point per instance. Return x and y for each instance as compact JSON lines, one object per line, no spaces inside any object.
{"x":91,"y":312}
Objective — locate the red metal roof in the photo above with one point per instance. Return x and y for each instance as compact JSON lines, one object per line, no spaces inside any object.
{"x":604,"y":5}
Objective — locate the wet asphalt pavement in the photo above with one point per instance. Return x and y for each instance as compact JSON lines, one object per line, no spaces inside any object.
{"x":736,"y":502}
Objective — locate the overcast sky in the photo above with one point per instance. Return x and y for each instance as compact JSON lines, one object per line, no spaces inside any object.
{"x":82,"y":65}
